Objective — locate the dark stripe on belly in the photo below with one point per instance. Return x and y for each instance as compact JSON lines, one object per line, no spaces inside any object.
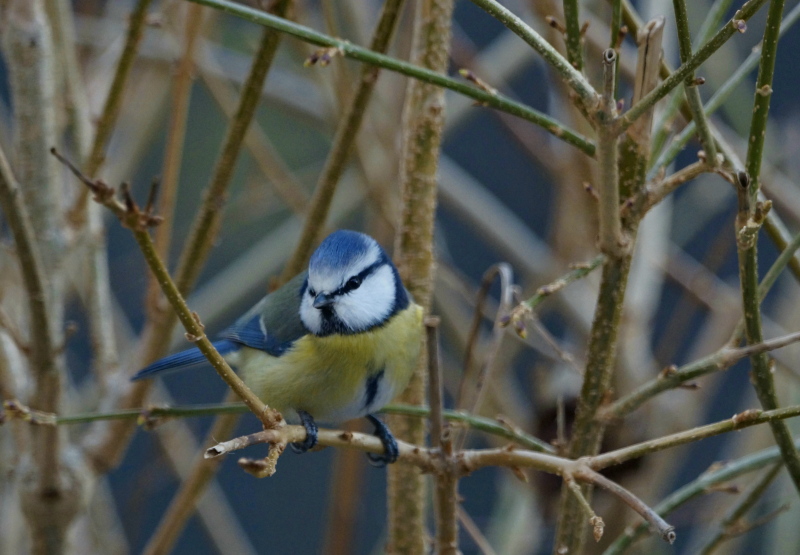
{"x":372,"y":388}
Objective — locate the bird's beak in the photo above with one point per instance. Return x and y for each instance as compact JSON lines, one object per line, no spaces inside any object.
{"x":322,"y":300}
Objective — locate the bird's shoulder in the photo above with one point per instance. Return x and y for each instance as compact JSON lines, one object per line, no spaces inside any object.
{"x":273,"y":325}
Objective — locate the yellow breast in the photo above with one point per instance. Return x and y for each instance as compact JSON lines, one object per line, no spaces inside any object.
{"x":337,"y":377}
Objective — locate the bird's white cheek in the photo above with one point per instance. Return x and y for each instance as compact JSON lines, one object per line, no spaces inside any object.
{"x":311,"y":317}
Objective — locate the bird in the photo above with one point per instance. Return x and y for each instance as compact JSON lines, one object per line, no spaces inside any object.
{"x":337,"y":342}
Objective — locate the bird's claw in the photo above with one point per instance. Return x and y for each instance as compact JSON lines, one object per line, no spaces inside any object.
{"x":311,"y":433}
{"x":390,"y":448}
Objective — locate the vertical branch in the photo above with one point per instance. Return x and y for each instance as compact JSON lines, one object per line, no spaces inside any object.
{"x":588,"y":430}
{"x":206,"y":224}
{"x":50,"y":488}
{"x":748,"y":223}
{"x":343,"y":142}
{"x":690,"y":84}
{"x":635,"y":144}
{"x":422,"y":128}
{"x":192,"y":488}
{"x":573,"y":34}
{"x":113,"y":103}
{"x":441,"y":438}
{"x":176,"y":131}
{"x":107,"y":441}
{"x":95,"y":285}
{"x":611,"y":240}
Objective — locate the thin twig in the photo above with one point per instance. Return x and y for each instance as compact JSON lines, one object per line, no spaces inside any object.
{"x":138,"y":222}
{"x":571,"y":76}
{"x":673,"y":377}
{"x":732,"y":521}
{"x":690,"y":86}
{"x":206,"y":224}
{"x":343,"y":141}
{"x":442,"y":440}
{"x":573,"y":34}
{"x":700,"y":486}
{"x":744,"y":419}
{"x":173,"y":152}
{"x":751,"y":214}
{"x":472,"y":400}
{"x":474,"y":532}
{"x":702,"y":54}
{"x":349,"y":50}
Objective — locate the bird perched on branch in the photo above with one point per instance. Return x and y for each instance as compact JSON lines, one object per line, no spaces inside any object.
{"x":337,"y":342}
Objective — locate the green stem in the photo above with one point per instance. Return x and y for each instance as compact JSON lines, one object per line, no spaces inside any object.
{"x":753,"y":496}
{"x":696,"y":488}
{"x":664,"y":127}
{"x":679,"y":75}
{"x":145,"y":415}
{"x":762,"y":376}
{"x":494,"y":100}
{"x":573,"y":34}
{"x":571,"y":76}
{"x":578,"y":272}
{"x":738,"y":422}
{"x":690,"y":86}
{"x":718,"y":98}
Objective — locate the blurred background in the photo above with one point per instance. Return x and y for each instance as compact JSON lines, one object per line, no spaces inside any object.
{"x":508,"y":193}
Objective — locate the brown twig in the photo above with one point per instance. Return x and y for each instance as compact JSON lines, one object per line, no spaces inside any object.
{"x":138,"y":221}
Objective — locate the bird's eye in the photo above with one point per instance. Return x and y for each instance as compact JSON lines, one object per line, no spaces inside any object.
{"x":311,"y":292}
{"x":353,"y":283}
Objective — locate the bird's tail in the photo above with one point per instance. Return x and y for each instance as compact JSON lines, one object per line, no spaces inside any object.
{"x":184,"y":359}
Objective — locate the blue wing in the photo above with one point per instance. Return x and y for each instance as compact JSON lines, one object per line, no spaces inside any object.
{"x":184,"y":359}
{"x":272,"y":325}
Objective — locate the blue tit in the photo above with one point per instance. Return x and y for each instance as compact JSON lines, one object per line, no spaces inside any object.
{"x":337,"y":342}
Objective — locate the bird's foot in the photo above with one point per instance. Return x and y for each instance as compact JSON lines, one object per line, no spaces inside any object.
{"x":311,"y":433}
{"x":390,"y":448}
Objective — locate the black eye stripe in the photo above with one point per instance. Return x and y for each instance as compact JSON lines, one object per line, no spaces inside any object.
{"x":360,"y":277}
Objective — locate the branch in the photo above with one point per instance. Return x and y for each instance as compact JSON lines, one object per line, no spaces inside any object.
{"x":346,"y":132}
{"x":690,"y":86}
{"x":573,"y":34}
{"x":138,"y":221}
{"x":718,"y":98}
{"x":732,"y":522}
{"x":348,"y":50}
{"x":745,"y":419}
{"x":702,"y":485}
{"x":611,"y":240}
{"x":571,"y":76}
{"x":423,"y":125}
{"x":192,"y":488}
{"x":113,"y":103}
{"x":672,"y":377}
{"x":42,"y":344}
{"x":702,"y":54}
{"x":447,"y":500}
{"x":206,"y":224}
{"x":751,"y":213}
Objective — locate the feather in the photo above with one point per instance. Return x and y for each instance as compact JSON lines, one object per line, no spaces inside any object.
{"x":184,"y":359}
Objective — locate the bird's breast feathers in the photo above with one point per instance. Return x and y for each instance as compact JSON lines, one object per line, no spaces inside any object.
{"x":337,"y":377}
